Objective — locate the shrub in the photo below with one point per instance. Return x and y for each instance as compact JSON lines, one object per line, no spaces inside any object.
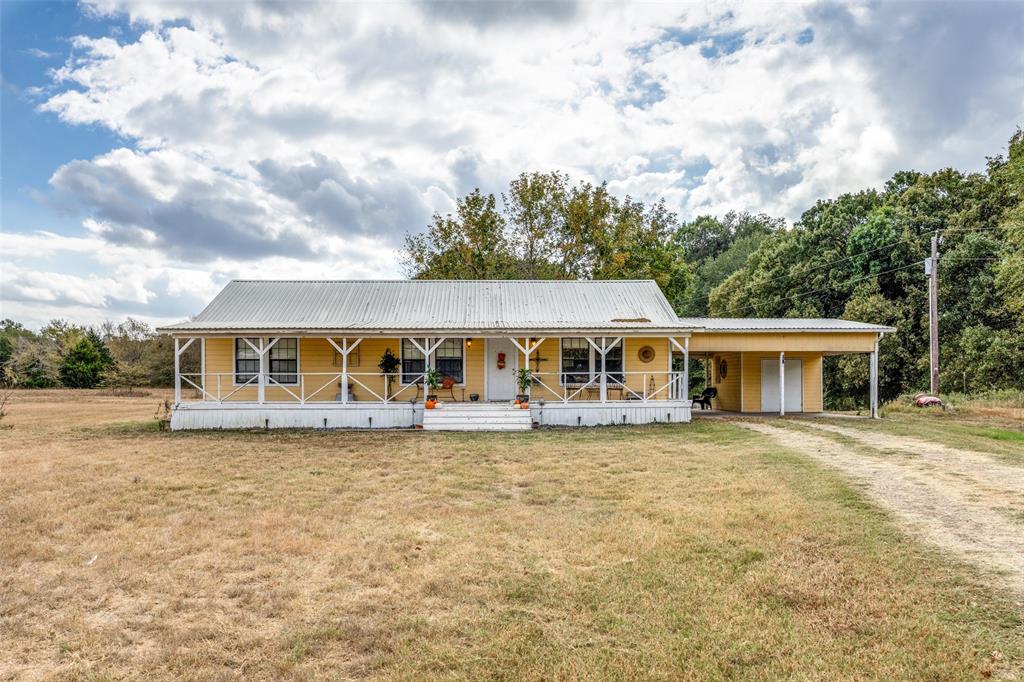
{"x":82,"y":366}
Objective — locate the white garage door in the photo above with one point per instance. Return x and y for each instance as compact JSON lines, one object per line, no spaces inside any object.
{"x":770,"y":385}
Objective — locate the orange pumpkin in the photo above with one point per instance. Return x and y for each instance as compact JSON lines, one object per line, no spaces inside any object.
{"x":430,"y":404}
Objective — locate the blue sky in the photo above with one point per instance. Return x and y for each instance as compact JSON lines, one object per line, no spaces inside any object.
{"x":153,"y":151}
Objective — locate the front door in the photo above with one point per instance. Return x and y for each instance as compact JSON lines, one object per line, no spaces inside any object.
{"x":770,"y":385}
{"x":501,"y":381}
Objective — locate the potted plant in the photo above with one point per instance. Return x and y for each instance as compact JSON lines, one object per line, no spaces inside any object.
{"x":433,"y":378}
{"x":524,"y":378}
{"x":389,"y":364}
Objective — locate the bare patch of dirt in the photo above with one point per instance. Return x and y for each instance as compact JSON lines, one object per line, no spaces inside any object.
{"x":962,"y":502}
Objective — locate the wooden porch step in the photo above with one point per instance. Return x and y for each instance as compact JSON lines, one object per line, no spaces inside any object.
{"x":461,"y":417}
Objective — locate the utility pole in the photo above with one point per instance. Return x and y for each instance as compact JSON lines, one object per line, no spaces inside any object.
{"x":933,"y":313}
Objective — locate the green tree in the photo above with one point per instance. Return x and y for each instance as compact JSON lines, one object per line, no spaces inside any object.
{"x":472,"y":244}
{"x":551,"y":230}
{"x":535,"y":215}
{"x":82,"y":365}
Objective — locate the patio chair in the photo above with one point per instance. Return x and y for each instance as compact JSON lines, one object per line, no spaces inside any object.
{"x":448,"y":384}
{"x":704,"y":399}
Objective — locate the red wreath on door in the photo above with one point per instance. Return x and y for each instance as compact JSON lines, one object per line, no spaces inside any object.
{"x":501,"y":361}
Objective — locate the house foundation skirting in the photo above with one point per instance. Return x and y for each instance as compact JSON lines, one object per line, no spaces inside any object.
{"x":191,"y":416}
{"x":594,"y":413}
{"x":269,"y":416}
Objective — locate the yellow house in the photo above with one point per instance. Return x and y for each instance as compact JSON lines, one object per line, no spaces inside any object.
{"x":484,"y":354}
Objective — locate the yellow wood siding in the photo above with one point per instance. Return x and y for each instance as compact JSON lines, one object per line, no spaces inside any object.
{"x":317,"y":367}
{"x":812,"y":342}
{"x":657,"y":371}
{"x":811,"y":379}
{"x":729,"y":386}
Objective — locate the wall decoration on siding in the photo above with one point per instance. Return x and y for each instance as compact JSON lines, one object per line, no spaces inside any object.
{"x":723,"y":369}
{"x":646,"y":354}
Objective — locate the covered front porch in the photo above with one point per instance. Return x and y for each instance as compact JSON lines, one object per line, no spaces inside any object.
{"x":371,"y":381}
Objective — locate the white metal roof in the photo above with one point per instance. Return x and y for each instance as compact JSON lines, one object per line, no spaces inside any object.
{"x":780,"y":324}
{"x":477,"y":306}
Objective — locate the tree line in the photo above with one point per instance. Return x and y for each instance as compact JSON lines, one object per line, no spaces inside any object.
{"x":856,"y":256}
{"x":118,"y":356}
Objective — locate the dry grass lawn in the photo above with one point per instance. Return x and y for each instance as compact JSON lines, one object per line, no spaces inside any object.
{"x":672,"y":552}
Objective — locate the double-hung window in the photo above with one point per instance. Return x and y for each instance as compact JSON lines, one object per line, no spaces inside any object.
{"x":576,"y":366}
{"x":414,"y":363}
{"x":282,"y":360}
{"x":448,"y":359}
{"x":581,"y":363}
{"x":612,"y":363}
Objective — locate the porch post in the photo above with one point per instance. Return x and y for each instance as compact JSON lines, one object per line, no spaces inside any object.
{"x":177,"y":370}
{"x":202,"y":362}
{"x":261,"y":383}
{"x":782,"y":384}
{"x":344,"y":371}
{"x":604,"y":372}
{"x":686,"y":369}
{"x":874,"y":381}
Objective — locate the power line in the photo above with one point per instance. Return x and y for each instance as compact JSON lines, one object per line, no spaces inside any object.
{"x":733,"y":311}
{"x":954,"y":230}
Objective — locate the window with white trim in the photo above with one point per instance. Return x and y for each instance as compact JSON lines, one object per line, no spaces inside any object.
{"x":282,"y":360}
{"x":449,"y":360}
{"x":414,"y":363}
{"x":581,"y":363}
{"x":576,"y":365}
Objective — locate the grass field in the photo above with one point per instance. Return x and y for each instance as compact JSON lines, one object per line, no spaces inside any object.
{"x":666,"y":552}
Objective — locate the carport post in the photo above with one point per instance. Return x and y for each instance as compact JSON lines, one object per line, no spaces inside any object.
{"x":874,"y":381}
{"x":686,"y":368}
{"x":782,"y":384}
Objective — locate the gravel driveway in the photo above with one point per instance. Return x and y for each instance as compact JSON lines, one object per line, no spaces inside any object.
{"x":964,"y":502}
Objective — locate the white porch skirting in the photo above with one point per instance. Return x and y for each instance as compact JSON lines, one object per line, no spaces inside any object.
{"x":285,"y":416}
{"x":240,"y":415}
{"x":594,"y":413}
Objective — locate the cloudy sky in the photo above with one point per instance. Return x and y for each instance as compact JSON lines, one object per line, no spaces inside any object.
{"x":151,"y":151}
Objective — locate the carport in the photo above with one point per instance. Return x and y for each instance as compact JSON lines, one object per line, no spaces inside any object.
{"x":775,"y":365}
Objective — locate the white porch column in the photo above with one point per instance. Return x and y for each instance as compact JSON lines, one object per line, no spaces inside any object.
{"x":604,"y":370}
{"x":874,"y":382}
{"x":527,"y":350}
{"x":262,"y":379}
{"x":344,"y":373}
{"x":343,"y":350}
{"x":683,"y":348}
{"x":178,"y":350}
{"x":782,"y":384}
{"x":202,"y":364}
{"x":177,"y":370}
{"x":686,"y":369}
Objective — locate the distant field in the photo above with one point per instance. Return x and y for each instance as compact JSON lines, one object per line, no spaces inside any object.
{"x":666,"y":552}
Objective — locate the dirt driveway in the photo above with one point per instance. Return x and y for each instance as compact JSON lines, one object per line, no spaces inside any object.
{"x":964,"y":502}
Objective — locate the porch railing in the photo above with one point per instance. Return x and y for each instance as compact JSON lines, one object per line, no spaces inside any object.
{"x":642,"y":386}
{"x":326,"y":387}
{"x":308,"y":386}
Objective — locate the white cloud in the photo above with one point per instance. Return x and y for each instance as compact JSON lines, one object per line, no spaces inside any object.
{"x":303,"y":139}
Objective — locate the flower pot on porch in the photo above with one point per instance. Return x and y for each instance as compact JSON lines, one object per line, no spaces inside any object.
{"x":522,"y":398}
